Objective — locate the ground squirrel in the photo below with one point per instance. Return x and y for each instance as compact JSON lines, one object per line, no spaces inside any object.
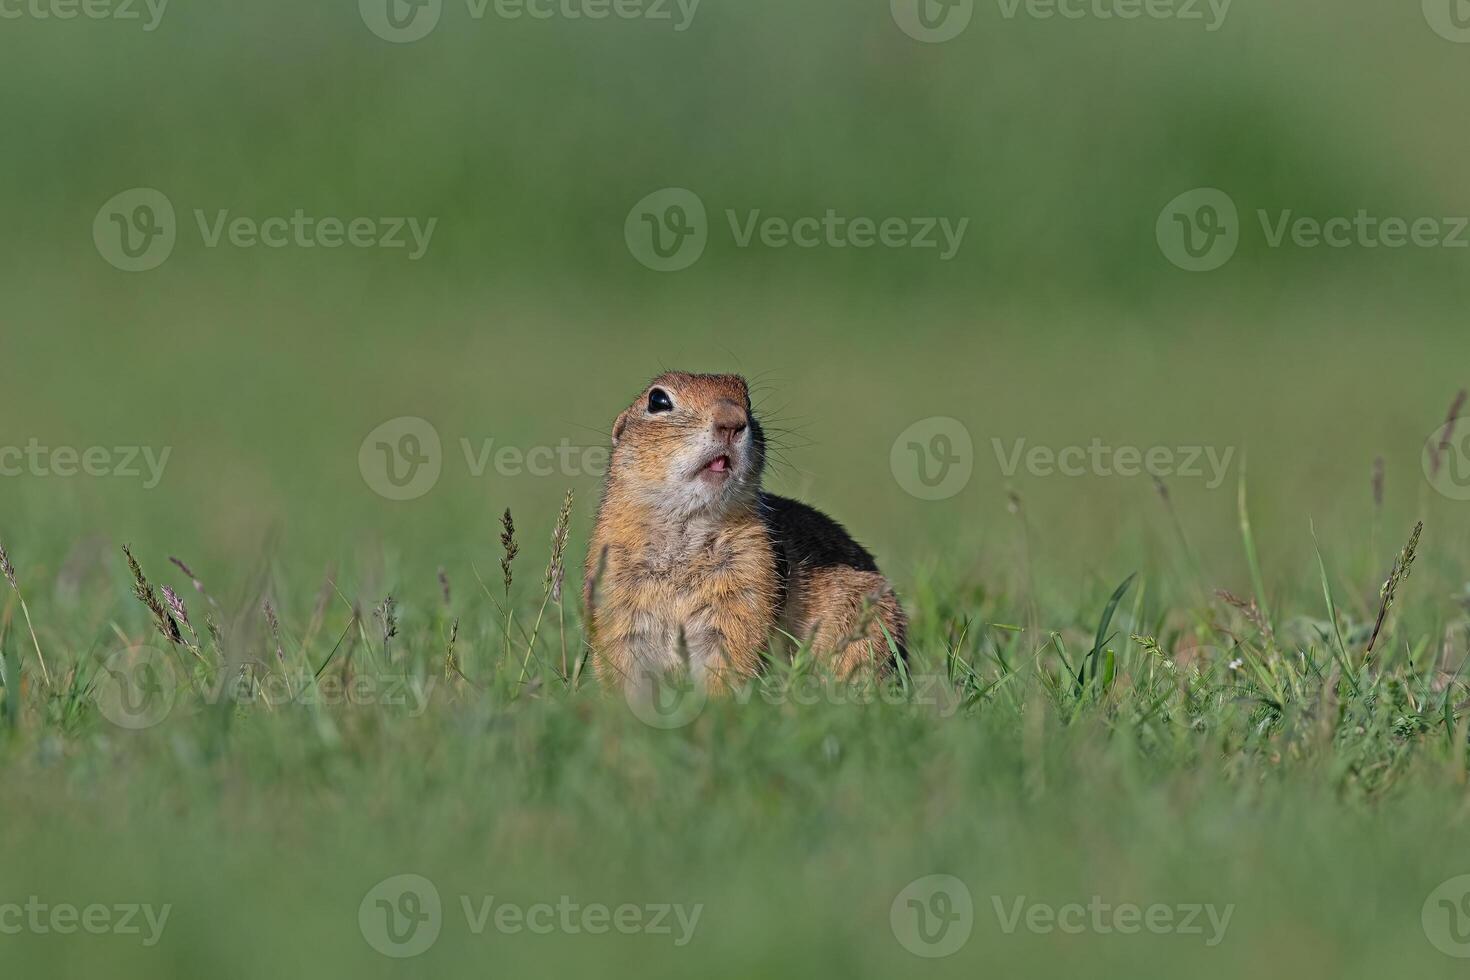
{"x":689,"y":558}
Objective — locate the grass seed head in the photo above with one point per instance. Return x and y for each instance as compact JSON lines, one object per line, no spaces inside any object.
{"x":1439,"y":451}
{"x":8,"y":568}
{"x":508,"y":544}
{"x":274,"y":623}
{"x":176,"y":604}
{"x":556,"y":571}
{"x":1402,"y":566}
{"x":387,"y":616}
{"x":198,"y":585}
{"x":144,"y":591}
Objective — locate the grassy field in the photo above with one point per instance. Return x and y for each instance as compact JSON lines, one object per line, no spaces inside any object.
{"x":1148,"y":727}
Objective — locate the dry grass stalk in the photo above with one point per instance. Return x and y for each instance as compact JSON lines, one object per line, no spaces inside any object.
{"x":1402,"y":566}
{"x":510,"y":549}
{"x":9,"y":570}
{"x":1250,"y":611}
{"x":1446,"y":438}
{"x":198,"y":585}
{"x":386,"y":614}
{"x":509,"y":546}
{"x":274,"y":622}
{"x":210,"y":626}
{"x":556,"y":572}
{"x":162,"y":619}
{"x":181,"y":613}
{"x":551,"y":587}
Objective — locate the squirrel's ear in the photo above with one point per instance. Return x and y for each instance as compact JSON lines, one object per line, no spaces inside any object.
{"x":618,"y":427}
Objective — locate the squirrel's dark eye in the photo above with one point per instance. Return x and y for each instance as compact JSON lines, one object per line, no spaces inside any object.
{"x":659,"y":401}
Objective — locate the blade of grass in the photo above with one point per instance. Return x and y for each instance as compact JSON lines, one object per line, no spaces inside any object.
{"x":1257,"y":582}
{"x":1343,"y":660}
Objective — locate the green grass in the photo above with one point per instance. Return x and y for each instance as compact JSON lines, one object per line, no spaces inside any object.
{"x":1154,"y":744}
{"x":1125,"y":752}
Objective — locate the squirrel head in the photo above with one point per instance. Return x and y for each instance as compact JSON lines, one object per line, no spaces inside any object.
{"x":689,"y":444}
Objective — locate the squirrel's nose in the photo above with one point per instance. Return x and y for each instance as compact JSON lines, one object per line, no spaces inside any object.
{"x":729,"y":420}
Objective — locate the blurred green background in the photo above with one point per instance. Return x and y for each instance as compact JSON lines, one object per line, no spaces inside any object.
{"x":530,"y":322}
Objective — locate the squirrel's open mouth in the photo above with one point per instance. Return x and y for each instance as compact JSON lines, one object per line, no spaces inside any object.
{"x":718,"y":468}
